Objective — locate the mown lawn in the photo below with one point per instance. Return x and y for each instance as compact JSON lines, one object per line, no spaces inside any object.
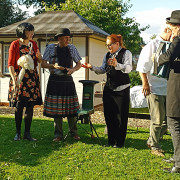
{"x":78,"y":160}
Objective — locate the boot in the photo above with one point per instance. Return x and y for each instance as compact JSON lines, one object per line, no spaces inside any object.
{"x":28,"y":137}
{"x":17,"y":137}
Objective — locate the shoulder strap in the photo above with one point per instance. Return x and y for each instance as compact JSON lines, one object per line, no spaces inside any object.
{"x":54,"y":57}
{"x":157,"y":54}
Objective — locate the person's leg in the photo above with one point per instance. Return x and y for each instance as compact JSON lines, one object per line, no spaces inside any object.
{"x":108,"y":104}
{"x":58,"y":131}
{"x":28,"y":120}
{"x":73,"y":127}
{"x":18,"y":121}
{"x":157,"y":113}
{"x":122,"y":116}
{"x":163,"y":116}
{"x":174,"y":128}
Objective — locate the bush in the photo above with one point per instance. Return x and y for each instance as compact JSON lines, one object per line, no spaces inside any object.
{"x":135,"y":78}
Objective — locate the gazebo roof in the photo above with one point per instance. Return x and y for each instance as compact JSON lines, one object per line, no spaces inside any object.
{"x":49,"y":22}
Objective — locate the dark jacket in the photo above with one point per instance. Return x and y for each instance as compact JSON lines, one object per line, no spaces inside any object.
{"x":173,"y":86}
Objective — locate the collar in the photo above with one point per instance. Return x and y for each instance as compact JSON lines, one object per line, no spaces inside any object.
{"x":115,"y":53}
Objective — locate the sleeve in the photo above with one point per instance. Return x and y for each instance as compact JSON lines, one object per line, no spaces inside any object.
{"x":12,"y":57}
{"x":126,"y":67}
{"x":101,"y":69}
{"x":75,"y":54}
{"x":46,"y":55}
{"x":172,"y":52}
{"x":145,"y":63}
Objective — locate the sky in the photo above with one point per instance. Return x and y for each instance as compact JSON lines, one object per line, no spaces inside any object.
{"x":152,"y":12}
{"x":149,"y":12}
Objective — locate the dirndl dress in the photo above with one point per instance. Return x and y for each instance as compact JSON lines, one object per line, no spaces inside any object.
{"x":61,"y":98}
{"x":28,"y":93}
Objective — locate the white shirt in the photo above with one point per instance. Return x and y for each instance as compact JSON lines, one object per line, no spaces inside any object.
{"x":145,"y":65}
{"x":125,"y":67}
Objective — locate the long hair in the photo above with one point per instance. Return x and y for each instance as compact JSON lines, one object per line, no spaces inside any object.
{"x":116,"y":38}
{"x":20,"y":31}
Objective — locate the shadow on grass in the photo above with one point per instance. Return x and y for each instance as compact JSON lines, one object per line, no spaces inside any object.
{"x":30,"y":153}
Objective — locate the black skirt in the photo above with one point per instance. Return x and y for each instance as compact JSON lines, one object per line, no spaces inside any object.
{"x":61,"y":98}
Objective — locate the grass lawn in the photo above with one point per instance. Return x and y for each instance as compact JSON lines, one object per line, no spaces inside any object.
{"x":78,"y":160}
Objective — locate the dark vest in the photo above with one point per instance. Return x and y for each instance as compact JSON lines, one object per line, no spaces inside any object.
{"x":116,"y":78}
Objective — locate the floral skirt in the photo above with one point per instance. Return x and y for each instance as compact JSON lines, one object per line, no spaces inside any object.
{"x":61,"y":98}
{"x":28,"y":93}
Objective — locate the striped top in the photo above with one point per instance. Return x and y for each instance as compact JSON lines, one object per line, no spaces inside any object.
{"x":50,"y":52}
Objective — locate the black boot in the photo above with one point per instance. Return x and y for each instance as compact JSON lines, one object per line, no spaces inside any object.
{"x":28,"y":137}
{"x":17,"y":137}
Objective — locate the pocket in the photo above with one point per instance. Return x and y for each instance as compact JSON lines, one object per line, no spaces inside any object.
{"x":176,"y":65}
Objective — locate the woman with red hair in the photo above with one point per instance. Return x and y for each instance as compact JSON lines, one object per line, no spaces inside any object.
{"x":117,"y":63}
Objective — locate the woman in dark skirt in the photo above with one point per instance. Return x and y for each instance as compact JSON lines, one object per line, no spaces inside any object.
{"x":61,"y":98}
{"x":24,"y":89}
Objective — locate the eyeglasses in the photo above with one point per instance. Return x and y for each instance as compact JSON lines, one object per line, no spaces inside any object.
{"x":108,"y":45}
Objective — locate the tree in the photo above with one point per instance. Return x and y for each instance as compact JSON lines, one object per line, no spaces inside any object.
{"x":9,"y":13}
{"x":109,"y":16}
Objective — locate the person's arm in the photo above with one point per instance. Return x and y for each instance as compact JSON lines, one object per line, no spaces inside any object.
{"x":172,"y":52}
{"x":75,"y":68}
{"x":145,"y":84}
{"x":126,"y":67}
{"x":12,"y":72}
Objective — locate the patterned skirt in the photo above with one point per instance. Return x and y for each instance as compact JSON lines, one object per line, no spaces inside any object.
{"x":28,"y":93}
{"x":61,"y":98}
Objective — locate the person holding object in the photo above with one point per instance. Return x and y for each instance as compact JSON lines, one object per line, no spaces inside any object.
{"x":154,"y":89}
{"x":172,"y":55}
{"x":117,"y":63}
{"x":61,"y":98}
{"x":26,"y":91}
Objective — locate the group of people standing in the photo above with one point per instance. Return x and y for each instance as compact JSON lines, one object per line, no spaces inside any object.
{"x":61,"y":98}
{"x":162,"y":96}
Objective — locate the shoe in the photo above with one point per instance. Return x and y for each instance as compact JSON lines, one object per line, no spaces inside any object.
{"x":155,"y":148}
{"x":28,"y":137}
{"x":170,"y":160}
{"x":157,"y":152}
{"x":17,"y":137}
{"x":57,"y":139}
{"x":76,"y":137}
{"x":117,"y":146}
{"x":109,"y":145}
{"x":175,"y":169}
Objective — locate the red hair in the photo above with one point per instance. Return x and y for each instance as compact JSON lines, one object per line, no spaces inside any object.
{"x":116,"y":38}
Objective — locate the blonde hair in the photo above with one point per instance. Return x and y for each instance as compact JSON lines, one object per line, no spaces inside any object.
{"x":116,"y":38}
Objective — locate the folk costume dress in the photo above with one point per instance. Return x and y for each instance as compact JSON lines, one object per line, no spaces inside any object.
{"x":61,"y":98}
{"x":28,"y":93}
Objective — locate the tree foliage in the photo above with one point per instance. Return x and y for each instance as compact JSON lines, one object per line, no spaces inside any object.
{"x":9,"y":13}
{"x":109,"y":15}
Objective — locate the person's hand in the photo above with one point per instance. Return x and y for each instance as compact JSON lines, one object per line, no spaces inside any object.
{"x":146,"y":89}
{"x":70,"y":70}
{"x":38,"y":55}
{"x":15,"y":86}
{"x":112,"y":62}
{"x":86,"y":65}
{"x":56,"y":66}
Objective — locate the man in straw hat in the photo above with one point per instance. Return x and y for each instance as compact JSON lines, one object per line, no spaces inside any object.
{"x":61,"y":98}
{"x":172,"y":55}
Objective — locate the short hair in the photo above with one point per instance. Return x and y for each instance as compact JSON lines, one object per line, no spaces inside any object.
{"x":20,"y":31}
{"x":116,"y":38}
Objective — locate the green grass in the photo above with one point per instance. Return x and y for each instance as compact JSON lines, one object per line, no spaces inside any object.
{"x":139,"y":110}
{"x":78,"y":160}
